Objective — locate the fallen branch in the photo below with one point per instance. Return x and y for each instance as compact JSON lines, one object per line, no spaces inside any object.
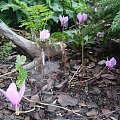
{"x":33,"y":49}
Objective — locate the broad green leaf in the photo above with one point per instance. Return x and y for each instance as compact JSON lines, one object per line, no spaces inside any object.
{"x":69,"y":13}
{"x":55,"y":18}
{"x":71,"y":33}
{"x":86,"y":38}
{"x":56,"y":7}
{"x":58,"y":36}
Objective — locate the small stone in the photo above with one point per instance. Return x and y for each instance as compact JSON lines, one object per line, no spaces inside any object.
{"x":92,"y":105}
{"x":27,"y":118}
{"x":65,"y":100}
{"x":92,"y":112}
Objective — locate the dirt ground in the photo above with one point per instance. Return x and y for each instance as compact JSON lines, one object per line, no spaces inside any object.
{"x":89,"y":92}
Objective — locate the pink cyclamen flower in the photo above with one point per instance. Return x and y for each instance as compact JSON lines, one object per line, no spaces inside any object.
{"x":44,"y":34}
{"x":13,"y":95}
{"x":82,"y":17}
{"x":110,"y":63}
{"x":63,"y":20}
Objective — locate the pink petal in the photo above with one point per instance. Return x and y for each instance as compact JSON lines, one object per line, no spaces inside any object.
{"x":79,"y":17}
{"x":47,"y":34}
{"x":61,"y":20}
{"x":44,"y":34}
{"x":108,"y":64}
{"x":21,"y":92}
{"x":113,"y":61}
{"x":84,"y":16}
{"x":13,"y":96}
{"x":13,"y":86}
{"x":65,"y":20}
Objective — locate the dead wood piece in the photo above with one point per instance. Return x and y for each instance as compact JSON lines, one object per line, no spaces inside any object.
{"x":30,"y":47}
{"x":33,"y":49}
{"x":33,"y":64}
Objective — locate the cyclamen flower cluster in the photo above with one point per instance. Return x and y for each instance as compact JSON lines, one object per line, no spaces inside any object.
{"x":81,"y":18}
{"x":45,"y":34}
{"x":13,"y":95}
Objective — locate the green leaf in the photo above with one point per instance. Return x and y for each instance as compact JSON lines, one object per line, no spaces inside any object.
{"x":56,"y":7}
{"x":21,"y":59}
{"x":88,"y":40}
{"x":70,"y":13}
{"x":21,"y":78}
{"x":58,"y":35}
{"x":55,"y":18}
{"x":18,"y":66}
{"x":71,"y":33}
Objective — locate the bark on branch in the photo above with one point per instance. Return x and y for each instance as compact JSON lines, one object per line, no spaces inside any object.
{"x":33,"y":49}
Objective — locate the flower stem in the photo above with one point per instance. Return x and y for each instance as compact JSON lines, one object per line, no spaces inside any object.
{"x":63,"y":49}
{"x":17,"y":110}
{"x":48,"y":51}
{"x":82,"y":51}
{"x":52,"y":46}
{"x":82,"y":44}
{"x":42,"y":64}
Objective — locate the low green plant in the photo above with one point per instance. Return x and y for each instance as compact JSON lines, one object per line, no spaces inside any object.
{"x":111,"y":12}
{"x":21,"y":12}
{"x":33,"y":17}
{"x":22,"y":72}
{"x":66,"y":7}
{"x":73,"y":38}
{"x":5,"y":50}
{"x":105,"y":17}
{"x":38,"y":16}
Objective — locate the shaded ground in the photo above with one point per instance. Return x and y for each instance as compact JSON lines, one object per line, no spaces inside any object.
{"x":91,"y":93}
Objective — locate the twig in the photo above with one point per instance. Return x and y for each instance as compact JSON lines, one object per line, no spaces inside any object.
{"x":78,"y":70}
{"x":95,"y":75}
{"x":8,"y":73}
{"x":107,"y":113}
{"x":27,"y":111}
{"x":52,"y":105}
{"x":111,"y":112}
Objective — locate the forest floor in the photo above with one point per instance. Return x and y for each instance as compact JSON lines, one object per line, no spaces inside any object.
{"x":89,"y":92}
